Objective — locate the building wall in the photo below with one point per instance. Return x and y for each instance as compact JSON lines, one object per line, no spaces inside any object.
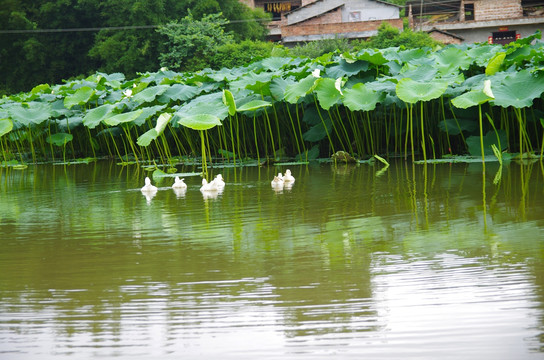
{"x":368,"y":10}
{"x":496,"y":9}
{"x":445,"y":39}
{"x":352,"y":10}
{"x":337,"y":28}
{"x":334,"y":16}
{"x":481,"y":35}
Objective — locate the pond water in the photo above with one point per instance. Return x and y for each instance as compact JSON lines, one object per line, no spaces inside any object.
{"x":412,"y":262}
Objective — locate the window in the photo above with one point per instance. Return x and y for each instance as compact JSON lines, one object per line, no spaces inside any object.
{"x":469,"y":11}
{"x":355,"y":16}
{"x":503,"y":37}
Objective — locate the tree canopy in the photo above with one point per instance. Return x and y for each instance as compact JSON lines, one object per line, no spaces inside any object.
{"x":47,"y":41}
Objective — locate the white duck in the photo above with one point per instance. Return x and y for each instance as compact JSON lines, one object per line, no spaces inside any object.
{"x":148,"y":187}
{"x":179,"y":184}
{"x":277,"y":182}
{"x":208,"y":186}
{"x":288,"y":178}
{"x":219,"y":181}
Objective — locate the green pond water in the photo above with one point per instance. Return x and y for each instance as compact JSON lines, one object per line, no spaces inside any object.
{"x":414,"y":262}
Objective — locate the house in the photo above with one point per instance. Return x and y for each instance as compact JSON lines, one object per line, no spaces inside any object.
{"x":494,"y":21}
{"x":307,"y":20}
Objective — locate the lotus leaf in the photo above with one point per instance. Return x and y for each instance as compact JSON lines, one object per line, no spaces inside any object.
{"x":411,"y":91}
{"x":518,"y":89}
{"x":318,"y":132}
{"x":178,"y":92}
{"x":80,"y":97}
{"x":375,"y":57}
{"x":228,"y":100}
{"x":495,"y":63}
{"x":345,"y":68}
{"x":327,"y":93}
{"x":473,"y":143}
{"x":471,"y":98}
{"x":122,"y":118}
{"x":59,"y":139}
{"x":147,"y":112}
{"x":5,"y":126}
{"x":146,"y":138}
{"x":295,"y":91}
{"x":149,"y":94}
{"x":451,"y":59}
{"x":200,"y":121}
{"x":32,"y":112}
{"x":93,"y":117}
{"x":254,"y":105}
{"x":361,"y":98}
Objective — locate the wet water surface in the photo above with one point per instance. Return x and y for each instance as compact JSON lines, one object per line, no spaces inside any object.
{"x":414,"y":262}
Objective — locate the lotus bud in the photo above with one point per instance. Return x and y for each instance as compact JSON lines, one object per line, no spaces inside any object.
{"x":338,"y":85}
{"x":316,"y":73}
{"x":487,"y":89}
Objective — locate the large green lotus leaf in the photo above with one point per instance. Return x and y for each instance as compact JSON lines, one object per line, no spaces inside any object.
{"x":327,"y":94}
{"x":58,"y":109}
{"x":211,"y":104}
{"x":453,"y":127}
{"x":6,"y":125}
{"x":42,"y":88}
{"x":451,"y":59}
{"x":375,"y":57}
{"x":178,"y":92}
{"x":318,"y":132}
{"x":474,"y":147}
{"x":361,"y":98}
{"x":275,"y":63}
{"x":278,"y":86}
{"x":228,"y":100}
{"x":345,"y":68}
{"x":471,"y":98}
{"x":32,"y":112}
{"x":411,"y":91}
{"x":146,"y":138}
{"x":122,"y":118}
{"x":480,"y":54}
{"x":518,"y":89}
{"x":149,"y":94}
{"x":254,"y":105}
{"x":80,"y":97}
{"x":296,"y":91}
{"x":148,"y":112}
{"x":200,"y":121}
{"x":93,"y":117}
{"x":495,"y":63}
{"x":59,"y":139}
{"x":418,"y":73}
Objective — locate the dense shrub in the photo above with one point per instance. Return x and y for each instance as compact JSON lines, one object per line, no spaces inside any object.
{"x":239,"y":54}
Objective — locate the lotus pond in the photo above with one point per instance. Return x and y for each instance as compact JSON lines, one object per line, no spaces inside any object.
{"x":412,"y":261}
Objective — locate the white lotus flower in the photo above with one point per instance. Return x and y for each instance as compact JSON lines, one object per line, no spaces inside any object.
{"x":487,"y":89}
{"x":127,"y":93}
{"x":338,"y":85}
{"x":316,"y":73}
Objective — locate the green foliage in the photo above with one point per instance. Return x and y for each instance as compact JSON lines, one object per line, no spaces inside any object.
{"x":315,"y":49}
{"x":389,"y":36}
{"x":189,"y":41}
{"x":236,"y":54}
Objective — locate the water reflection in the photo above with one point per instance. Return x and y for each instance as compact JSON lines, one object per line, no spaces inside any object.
{"x":419,"y":262}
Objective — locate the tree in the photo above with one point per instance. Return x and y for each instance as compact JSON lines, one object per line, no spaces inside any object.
{"x":190,"y":43}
